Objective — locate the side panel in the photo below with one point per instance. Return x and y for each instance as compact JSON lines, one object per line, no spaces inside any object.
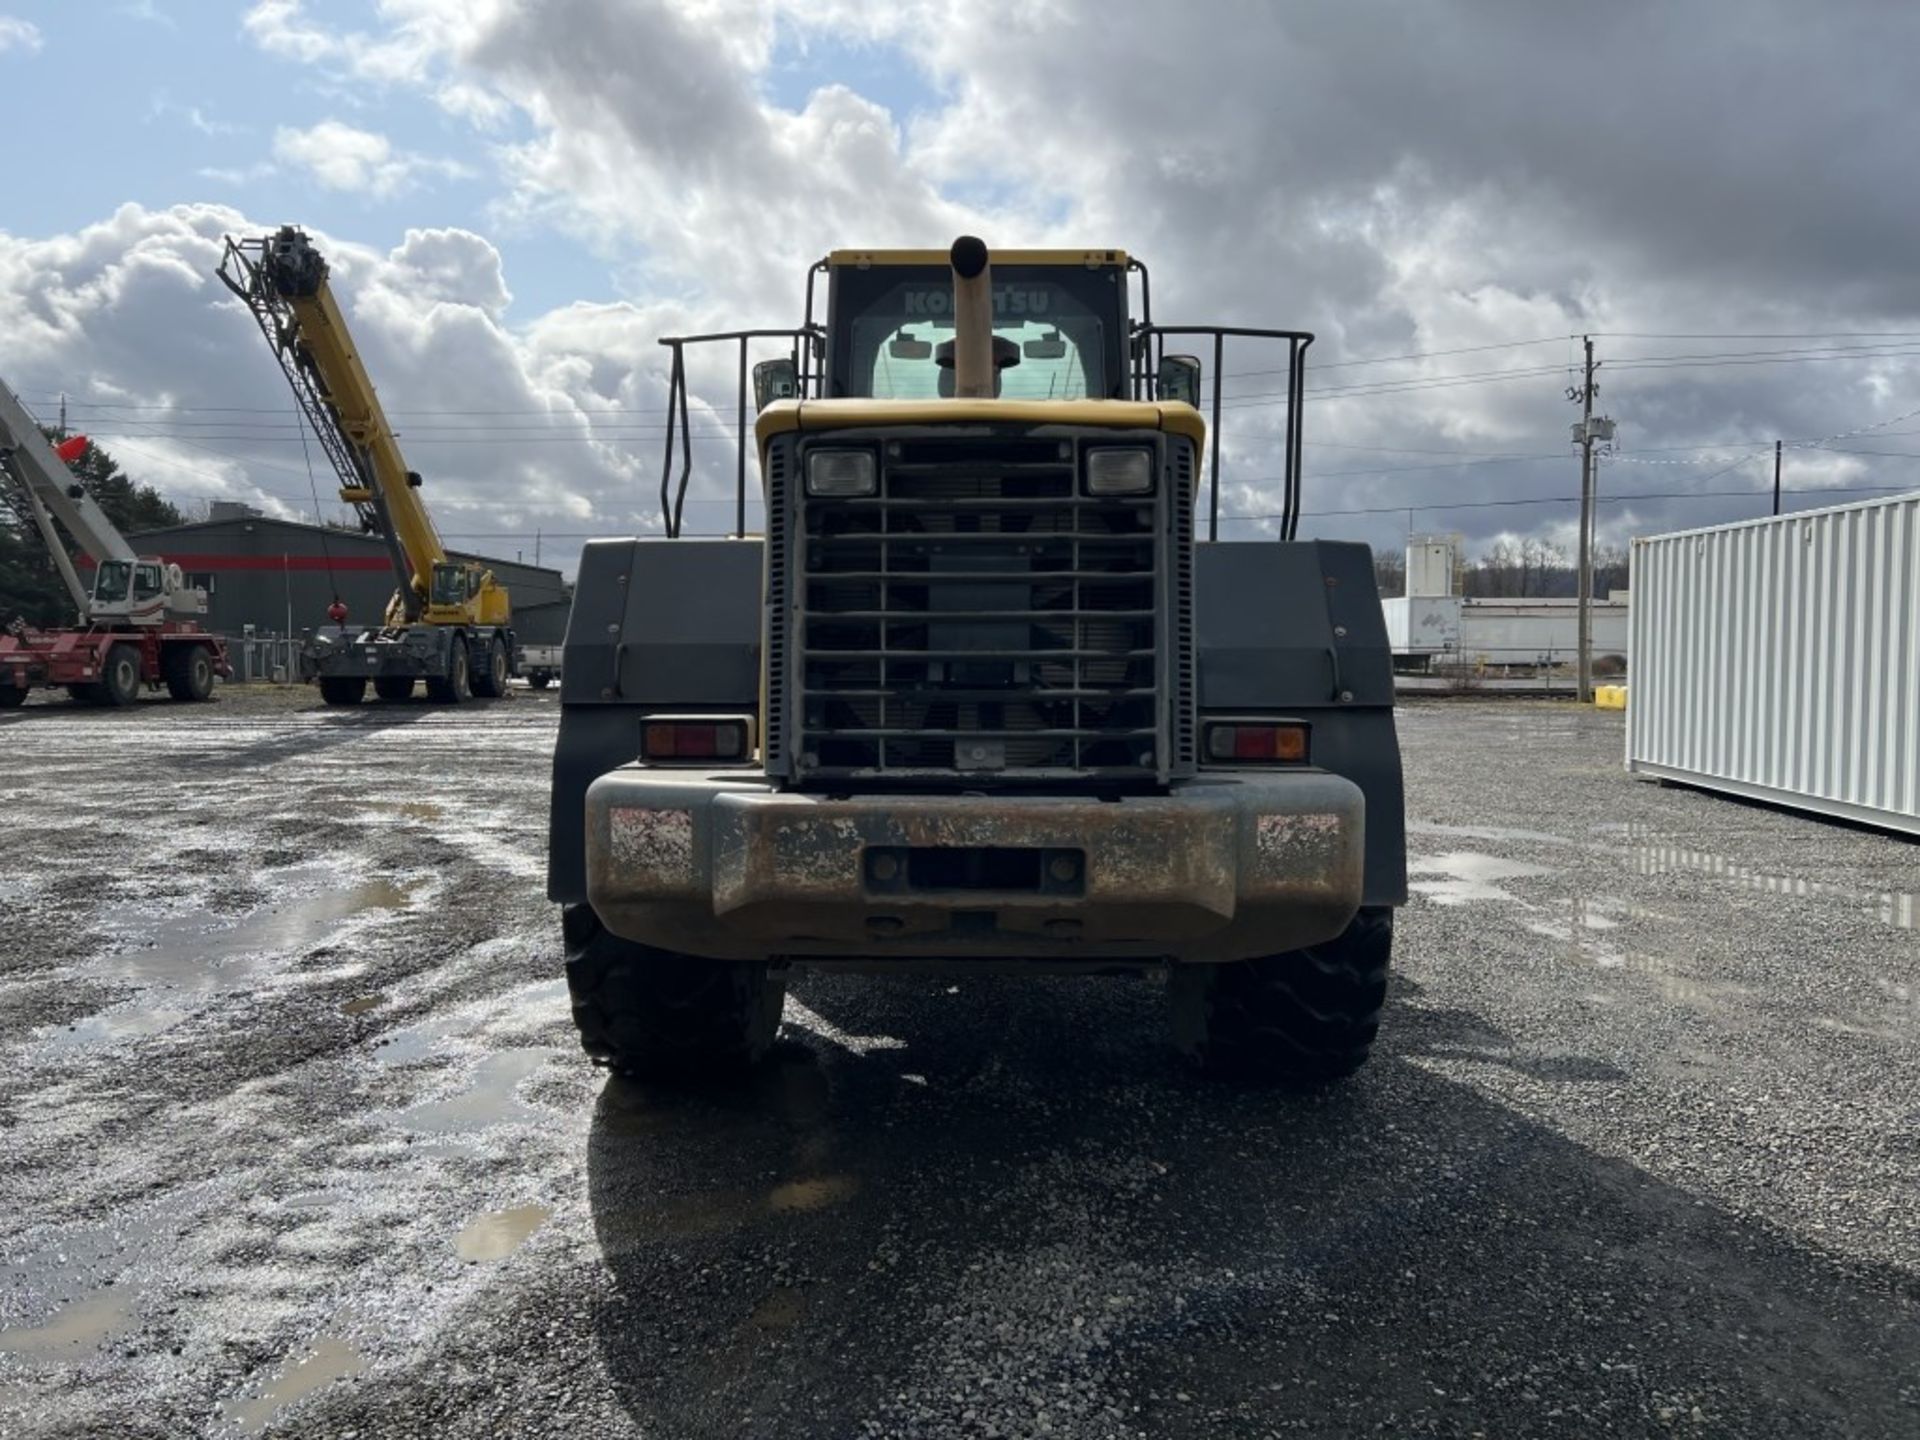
{"x":1297,"y":628}
{"x":657,"y":625}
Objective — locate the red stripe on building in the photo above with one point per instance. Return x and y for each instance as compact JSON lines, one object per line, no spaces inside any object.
{"x":276,"y":563}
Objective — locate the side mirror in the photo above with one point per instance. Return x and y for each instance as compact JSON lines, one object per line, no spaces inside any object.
{"x":1179,"y":379}
{"x":774,"y":380}
{"x":909,"y":347}
{"x":1048,"y":347}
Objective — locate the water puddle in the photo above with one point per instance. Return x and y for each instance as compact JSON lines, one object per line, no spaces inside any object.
{"x":718,"y":1211}
{"x":78,"y":1326}
{"x":1494,"y":833}
{"x":362,"y":1005}
{"x":186,"y":950}
{"x":781,"y":1310}
{"x":1652,"y":853}
{"x":498,"y":1233}
{"x":1467,"y":877}
{"x":527,"y":1007}
{"x":806,"y":1195}
{"x":487,"y":1102}
{"x":109,"y":1027}
{"x":328,"y":1360}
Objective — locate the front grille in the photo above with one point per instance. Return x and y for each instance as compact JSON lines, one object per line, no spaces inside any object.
{"x":980,"y":616}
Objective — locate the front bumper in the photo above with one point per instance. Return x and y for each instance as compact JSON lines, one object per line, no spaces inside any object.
{"x":1219,"y":868}
{"x":411,"y":652}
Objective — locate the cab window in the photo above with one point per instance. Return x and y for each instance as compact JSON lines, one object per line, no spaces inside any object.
{"x":146,"y":582}
{"x":449,"y":585}
{"x":1058,"y":332}
{"x":111,"y":583}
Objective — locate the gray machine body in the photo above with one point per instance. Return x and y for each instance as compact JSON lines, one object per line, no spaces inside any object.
{"x":418,"y":652}
{"x":1289,"y":630}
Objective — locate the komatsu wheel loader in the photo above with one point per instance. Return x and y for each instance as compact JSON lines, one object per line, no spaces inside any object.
{"x":977,"y":699}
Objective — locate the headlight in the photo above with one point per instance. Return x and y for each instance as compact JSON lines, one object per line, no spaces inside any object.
{"x":840,"y":472}
{"x":1119,"y":472}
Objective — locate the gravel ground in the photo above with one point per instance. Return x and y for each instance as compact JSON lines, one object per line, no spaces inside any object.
{"x":297,"y":1141}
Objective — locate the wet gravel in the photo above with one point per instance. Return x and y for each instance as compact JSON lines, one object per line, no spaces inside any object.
{"x":297,"y":1142}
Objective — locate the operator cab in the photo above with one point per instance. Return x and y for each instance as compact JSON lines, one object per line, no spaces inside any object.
{"x":1059,"y":326}
{"x":449,"y":585}
{"x":130,"y":590}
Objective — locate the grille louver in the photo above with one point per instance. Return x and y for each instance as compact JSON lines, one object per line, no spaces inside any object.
{"x":980,"y":616}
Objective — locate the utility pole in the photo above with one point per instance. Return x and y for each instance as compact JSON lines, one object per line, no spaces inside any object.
{"x":1585,"y":396}
{"x":536,"y":549}
{"x":1776,"y":477}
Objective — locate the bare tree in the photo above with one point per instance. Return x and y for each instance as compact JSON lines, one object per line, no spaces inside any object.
{"x":1390,"y":572}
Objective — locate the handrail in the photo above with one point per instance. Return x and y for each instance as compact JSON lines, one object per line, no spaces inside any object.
{"x":1147,"y":336}
{"x":673,"y":500}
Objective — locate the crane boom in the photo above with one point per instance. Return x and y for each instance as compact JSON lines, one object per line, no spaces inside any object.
{"x":50,"y":486}
{"x":284,"y":281}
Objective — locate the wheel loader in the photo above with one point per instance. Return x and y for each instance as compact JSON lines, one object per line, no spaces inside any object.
{"x":979,"y":698}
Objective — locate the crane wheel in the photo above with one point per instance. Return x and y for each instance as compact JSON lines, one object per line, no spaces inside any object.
{"x":12,"y":697}
{"x":457,"y":684}
{"x":343,"y":689}
{"x":492,"y":679}
{"x":663,"y":1016}
{"x":393,"y":687}
{"x":189,"y":672}
{"x":1304,"y":1017}
{"x":120,"y":676}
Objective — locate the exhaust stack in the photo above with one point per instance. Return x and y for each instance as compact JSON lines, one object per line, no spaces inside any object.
{"x":973,"y":369}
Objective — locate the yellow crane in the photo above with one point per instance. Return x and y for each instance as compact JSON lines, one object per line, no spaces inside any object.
{"x":449,"y":622}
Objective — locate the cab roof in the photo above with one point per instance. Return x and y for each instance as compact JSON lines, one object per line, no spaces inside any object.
{"x":1091,"y":259}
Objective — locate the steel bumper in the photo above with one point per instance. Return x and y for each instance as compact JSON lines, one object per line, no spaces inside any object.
{"x":1217,"y":869}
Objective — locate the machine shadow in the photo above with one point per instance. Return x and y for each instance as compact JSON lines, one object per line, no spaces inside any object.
{"x":922,"y":1204}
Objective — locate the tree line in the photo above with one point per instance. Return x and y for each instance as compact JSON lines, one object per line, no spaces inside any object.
{"x":1529,"y":568}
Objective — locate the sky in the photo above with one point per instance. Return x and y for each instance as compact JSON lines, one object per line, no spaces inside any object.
{"x":519,"y":197}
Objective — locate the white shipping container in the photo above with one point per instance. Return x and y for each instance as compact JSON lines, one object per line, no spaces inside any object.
{"x":1780,"y":659}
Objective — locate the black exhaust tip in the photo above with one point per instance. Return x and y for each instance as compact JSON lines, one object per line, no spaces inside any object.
{"x":968,"y":256}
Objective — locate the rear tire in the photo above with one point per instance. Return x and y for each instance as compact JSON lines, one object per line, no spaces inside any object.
{"x":457,"y":685}
{"x":491,"y":681}
{"x":343,"y":689}
{"x":393,"y":687}
{"x":189,"y":671}
{"x":12,"y":697}
{"x":540,"y":679}
{"x":120,"y":676}
{"x":85,"y":694}
{"x":1305,"y":1017}
{"x":664,"y":1016}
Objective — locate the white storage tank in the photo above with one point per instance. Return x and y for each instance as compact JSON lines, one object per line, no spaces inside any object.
{"x":1780,"y":659}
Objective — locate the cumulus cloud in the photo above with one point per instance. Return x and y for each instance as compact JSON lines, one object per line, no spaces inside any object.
{"x":18,"y":34}
{"x":165,"y":367}
{"x":342,"y":157}
{"x":1449,"y":182}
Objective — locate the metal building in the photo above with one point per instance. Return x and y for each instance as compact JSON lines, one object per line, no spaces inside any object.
{"x":279,"y":576}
